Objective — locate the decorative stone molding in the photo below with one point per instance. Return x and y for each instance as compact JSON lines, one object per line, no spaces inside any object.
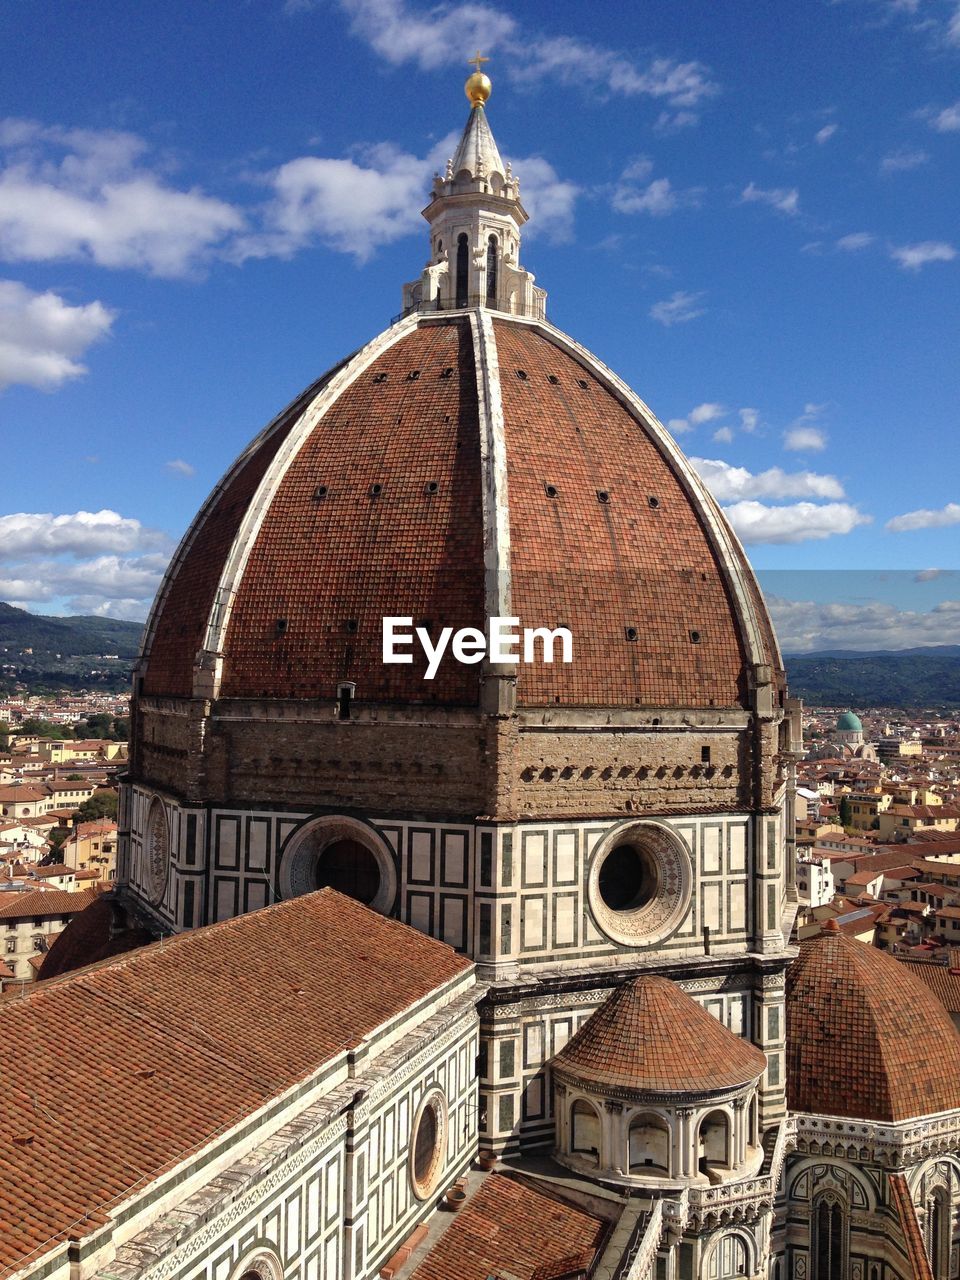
{"x":424,"y":1182}
{"x":307,"y":845}
{"x":667,"y":865}
{"x":260,"y":1261}
{"x":156,"y":853}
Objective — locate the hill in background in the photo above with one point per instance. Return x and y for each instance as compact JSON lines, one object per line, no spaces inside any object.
{"x":69,"y":653}
{"x":913,"y":678}
{"x":70,"y":637}
{"x":46,"y":654}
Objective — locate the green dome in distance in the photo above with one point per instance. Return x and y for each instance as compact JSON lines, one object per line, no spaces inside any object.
{"x":850,"y":723}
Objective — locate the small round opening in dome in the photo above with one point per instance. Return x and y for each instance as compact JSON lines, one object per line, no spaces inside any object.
{"x":628,"y":878}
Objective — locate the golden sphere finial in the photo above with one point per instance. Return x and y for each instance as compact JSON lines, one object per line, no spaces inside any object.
{"x":478,"y":86}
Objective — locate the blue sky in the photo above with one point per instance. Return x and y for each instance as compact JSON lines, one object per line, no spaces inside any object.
{"x":749,"y":211}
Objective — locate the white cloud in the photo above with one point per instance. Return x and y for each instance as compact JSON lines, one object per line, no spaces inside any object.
{"x":93,"y":561}
{"x":657,"y":197}
{"x":804,"y":439}
{"x":953,"y":27}
{"x":825,"y":134}
{"x":674,"y":121}
{"x":565,"y":60}
{"x":180,"y":468}
{"x":705,"y":413}
{"x":723,"y":435}
{"x":947,"y":120}
{"x":786,"y":200}
{"x":749,"y":420}
{"x":431,"y":39}
{"x":435,"y":37}
{"x":855,"y":241}
{"x":83,"y":533}
{"x":804,"y":626}
{"x":679,"y":308}
{"x":638,"y":169}
{"x":351,"y":205}
{"x":548,"y":199}
{"x":88,"y":196}
{"x":926,"y":519}
{"x":357,"y":204}
{"x":696,"y":418}
{"x":903,"y":161}
{"x":90,"y":583}
{"x":800,"y":522}
{"x":732,"y":484}
{"x":42,"y":336}
{"x":125,"y":609}
{"x":912,"y":257}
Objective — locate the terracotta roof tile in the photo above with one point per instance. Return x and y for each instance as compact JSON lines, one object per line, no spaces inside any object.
{"x":603,"y":566}
{"x":651,"y":1036}
{"x":944,"y":982}
{"x":406,"y":552}
{"x":181,"y":622}
{"x":865,"y":1037}
{"x":98,"y":932}
{"x":187,"y":1037}
{"x":511,"y":1227}
{"x":45,"y":902}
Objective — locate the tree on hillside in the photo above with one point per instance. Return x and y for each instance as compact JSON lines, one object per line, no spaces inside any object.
{"x":44,"y":729}
{"x":104,"y":725}
{"x":102,"y":804}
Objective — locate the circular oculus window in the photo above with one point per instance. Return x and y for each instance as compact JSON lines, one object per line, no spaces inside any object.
{"x":640,"y":884}
{"x":261,"y":1263}
{"x":428,"y":1142}
{"x":157,"y":853}
{"x":342,"y":854}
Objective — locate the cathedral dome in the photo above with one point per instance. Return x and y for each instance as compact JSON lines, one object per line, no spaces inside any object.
{"x":849,"y":723}
{"x":471,"y":462}
{"x":865,"y":1038}
{"x":651,"y":1037}
{"x":460,"y":467}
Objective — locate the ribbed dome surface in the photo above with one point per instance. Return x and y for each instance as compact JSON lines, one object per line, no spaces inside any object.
{"x":651,"y":1037}
{"x":374,"y":495}
{"x":865,"y":1038}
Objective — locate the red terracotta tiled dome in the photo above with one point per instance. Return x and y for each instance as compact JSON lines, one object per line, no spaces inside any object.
{"x":865,"y":1038}
{"x":459,"y":467}
{"x":651,"y":1037}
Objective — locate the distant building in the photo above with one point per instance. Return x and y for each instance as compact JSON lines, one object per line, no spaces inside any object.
{"x":29,"y":922}
{"x":844,"y":742}
{"x":815,"y":885}
{"x":93,"y":847}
